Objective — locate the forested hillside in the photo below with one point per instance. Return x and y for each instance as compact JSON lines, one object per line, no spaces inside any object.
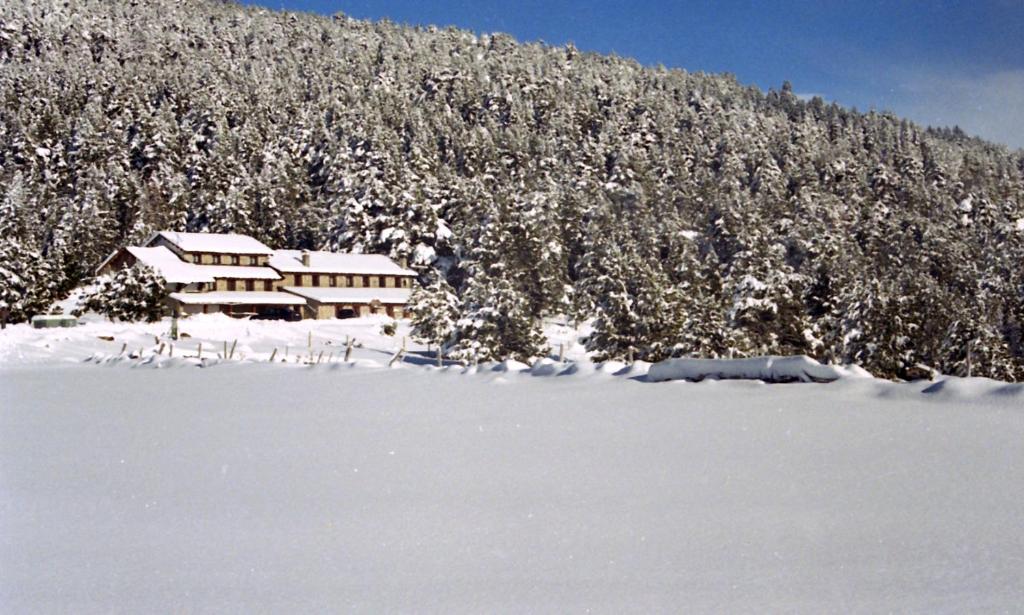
{"x":689,"y":214}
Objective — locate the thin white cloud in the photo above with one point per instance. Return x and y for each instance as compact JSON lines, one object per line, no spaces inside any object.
{"x":986,"y":104}
{"x":807,"y":96}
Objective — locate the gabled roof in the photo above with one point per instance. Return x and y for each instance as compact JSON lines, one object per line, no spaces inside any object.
{"x":171,"y":268}
{"x":290,"y":261}
{"x":214,"y":243}
{"x":239,"y":272}
{"x":399,"y":296}
{"x":238,"y":297}
{"x":176,"y":271}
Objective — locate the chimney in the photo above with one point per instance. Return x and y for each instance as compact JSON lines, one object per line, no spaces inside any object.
{"x":305,"y":258}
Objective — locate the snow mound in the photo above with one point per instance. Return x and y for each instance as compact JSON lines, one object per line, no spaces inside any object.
{"x":638,"y":369}
{"x":769,"y":369}
{"x":580,"y":368}
{"x":545,"y":367}
{"x":961,"y":388}
{"x":506,"y":366}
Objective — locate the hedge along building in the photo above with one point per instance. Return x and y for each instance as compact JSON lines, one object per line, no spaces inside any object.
{"x":239,"y":276}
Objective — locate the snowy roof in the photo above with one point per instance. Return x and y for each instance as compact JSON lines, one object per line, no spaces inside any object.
{"x":238,"y":272}
{"x":290,"y":261}
{"x":217,"y":243}
{"x":237,"y":297}
{"x":352,"y":295}
{"x":171,"y":268}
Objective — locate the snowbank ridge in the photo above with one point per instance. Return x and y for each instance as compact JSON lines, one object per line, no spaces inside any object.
{"x":769,"y":369}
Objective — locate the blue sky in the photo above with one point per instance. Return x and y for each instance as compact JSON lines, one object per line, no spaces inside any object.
{"x":938,"y":62}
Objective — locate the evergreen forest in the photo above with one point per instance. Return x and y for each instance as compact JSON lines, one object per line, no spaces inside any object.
{"x":685,"y":213}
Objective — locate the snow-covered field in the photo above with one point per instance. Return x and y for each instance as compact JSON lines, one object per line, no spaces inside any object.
{"x":256,"y":487}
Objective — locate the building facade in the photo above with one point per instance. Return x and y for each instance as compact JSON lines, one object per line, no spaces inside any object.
{"x":239,"y":276}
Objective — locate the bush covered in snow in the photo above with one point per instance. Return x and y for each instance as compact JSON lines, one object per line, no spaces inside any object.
{"x":133,"y":293}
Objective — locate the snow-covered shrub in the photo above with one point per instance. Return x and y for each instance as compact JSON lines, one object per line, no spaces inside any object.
{"x":133,"y":293}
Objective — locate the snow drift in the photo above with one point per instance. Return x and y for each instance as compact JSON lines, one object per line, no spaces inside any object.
{"x":769,"y":369}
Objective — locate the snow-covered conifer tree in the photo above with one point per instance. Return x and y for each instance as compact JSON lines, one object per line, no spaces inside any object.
{"x":435,"y":308}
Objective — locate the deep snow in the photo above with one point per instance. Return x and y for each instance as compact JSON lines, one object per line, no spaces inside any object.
{"x":286,"y":488}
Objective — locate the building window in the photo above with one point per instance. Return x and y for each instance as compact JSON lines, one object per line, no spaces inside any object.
{"x":298,"y":279}
{"x":267,"y":285}
{"x":316,"y":280}
{"x":250,"y":285}
{"x":231,"y":285}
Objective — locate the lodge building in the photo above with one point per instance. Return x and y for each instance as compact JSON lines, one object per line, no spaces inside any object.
{"x":239,"y":276}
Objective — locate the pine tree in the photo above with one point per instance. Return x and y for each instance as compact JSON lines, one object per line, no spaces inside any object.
{"x":435,"y":308}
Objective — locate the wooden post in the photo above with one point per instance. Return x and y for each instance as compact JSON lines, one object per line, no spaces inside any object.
{"x":124,"y":347}
{"x":160,"y":351}
{"x":174,"y":322}
{"x":561,"y":353}
{"x":309,"y":340}
{"x":225,"y":355}
{"x":170,"y":351}
{"x":348,"y":348}
{"x":199,"y":353}
{"x":440,"y":360}
{"x":273,"y":354}
{"x":319,"y":356}
{"x":629,"y":356}
{"x":232,"y":353}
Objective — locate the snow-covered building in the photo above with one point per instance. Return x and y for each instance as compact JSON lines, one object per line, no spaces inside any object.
{"x":239,"y":276}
